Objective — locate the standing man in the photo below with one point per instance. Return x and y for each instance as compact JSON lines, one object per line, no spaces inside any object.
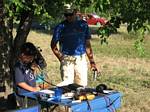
{"x":74,"y":39}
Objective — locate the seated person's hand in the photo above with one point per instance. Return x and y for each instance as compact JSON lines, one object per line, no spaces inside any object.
{"x":36,"y":89}
{"x":44,"y":86}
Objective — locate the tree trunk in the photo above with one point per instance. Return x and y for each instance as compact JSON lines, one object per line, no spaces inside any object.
{"x":23,"y":30}
{"x":8,"y":50}
{"x":4,"y":55}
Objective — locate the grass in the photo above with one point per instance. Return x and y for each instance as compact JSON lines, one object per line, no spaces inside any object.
{"x":121,"y":67}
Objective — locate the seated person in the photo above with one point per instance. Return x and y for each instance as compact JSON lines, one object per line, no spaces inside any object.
{"x":25,"y":80}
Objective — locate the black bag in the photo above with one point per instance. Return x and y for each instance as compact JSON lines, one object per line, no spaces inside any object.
{"x":11,"y":101}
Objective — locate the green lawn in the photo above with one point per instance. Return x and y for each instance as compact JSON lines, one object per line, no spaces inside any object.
{"x":121,"y":67}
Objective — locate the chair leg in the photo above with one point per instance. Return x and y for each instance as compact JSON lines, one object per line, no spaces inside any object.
{"x":51,"y":110}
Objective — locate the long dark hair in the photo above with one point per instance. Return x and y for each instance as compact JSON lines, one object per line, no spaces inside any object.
{"x":28,"y":49}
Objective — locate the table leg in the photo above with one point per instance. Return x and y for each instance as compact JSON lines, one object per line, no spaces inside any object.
{"x":26,"y":101}
{"x":67,"y":109}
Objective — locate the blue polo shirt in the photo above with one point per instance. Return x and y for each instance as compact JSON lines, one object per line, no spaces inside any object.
{"x":72,"y":37}
{"x":23,"y":74}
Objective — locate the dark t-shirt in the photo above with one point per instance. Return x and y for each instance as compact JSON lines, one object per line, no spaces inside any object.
{"x":72,"y":37}
{"x":23,"y":74}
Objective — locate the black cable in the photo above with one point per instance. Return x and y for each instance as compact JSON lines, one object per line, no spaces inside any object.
{"x":112,"y":101}
{"x":65,"y":88}
{"x":108,"y":107}
{"x":46,"y":81}
{"x":88,"y":103}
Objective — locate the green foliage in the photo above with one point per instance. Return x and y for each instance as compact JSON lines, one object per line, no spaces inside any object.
{"x":146,"y":83}
{"x":44,"y":10}
{"x":134,"y":13}
{"x":139,"y":43}
{"x":105,"y":31}
{"x":139,"y":47}
{"x":54,"y":8}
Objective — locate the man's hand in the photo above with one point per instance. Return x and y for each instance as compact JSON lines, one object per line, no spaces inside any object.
{"x":94,"y":68}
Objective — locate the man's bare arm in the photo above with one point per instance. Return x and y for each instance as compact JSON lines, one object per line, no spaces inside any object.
{"x":55,"y":50}
{"x":90,"y":56}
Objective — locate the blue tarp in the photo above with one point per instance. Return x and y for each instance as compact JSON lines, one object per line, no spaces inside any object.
{"x":102,"y":103}
{"x":106,"y":103}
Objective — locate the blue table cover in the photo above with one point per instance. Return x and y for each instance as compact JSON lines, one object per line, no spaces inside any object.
{"x":103,"y":103}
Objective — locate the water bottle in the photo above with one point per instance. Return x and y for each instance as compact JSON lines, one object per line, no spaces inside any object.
{"x":58,"y":94}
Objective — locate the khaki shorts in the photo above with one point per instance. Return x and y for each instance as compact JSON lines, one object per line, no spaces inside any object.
{"x":74,"y":69}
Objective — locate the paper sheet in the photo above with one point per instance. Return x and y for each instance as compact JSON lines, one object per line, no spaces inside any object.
{"x":46,"y":91}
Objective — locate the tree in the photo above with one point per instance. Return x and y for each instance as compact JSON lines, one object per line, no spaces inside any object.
{"x":19,"y":14}
{"x":8,"y":49}
{"x":4,"y":49}
{"x":10,"y":13}
{"x":135,"y":13}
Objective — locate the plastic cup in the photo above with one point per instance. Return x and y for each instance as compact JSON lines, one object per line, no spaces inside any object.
{"x":58,"y":94}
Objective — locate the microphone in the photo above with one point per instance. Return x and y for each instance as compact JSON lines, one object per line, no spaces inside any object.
{"x":94,"y":75}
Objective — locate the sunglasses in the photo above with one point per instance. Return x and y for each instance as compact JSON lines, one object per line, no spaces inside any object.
{"x":68,"y":14}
